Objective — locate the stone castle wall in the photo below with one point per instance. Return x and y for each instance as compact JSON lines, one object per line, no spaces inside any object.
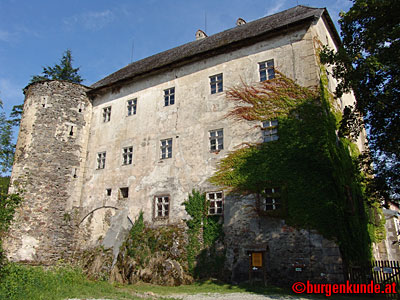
{"x":48,"y":166}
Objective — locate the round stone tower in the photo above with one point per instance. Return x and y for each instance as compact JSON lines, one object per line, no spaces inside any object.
{"x":48,"y":168}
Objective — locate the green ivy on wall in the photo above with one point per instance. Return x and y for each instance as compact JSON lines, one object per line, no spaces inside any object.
{"x":322,"y":187}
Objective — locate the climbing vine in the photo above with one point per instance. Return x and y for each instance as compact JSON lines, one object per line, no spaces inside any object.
{"x":204,"y":232}
{"x":322,"y":186}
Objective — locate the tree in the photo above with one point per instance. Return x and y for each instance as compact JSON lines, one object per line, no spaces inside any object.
{"x":6,"y":145}
{"x":63,"y":71}
{"x":368,"y":63}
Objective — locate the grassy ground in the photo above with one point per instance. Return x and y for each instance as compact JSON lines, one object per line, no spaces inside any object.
{"x":34,"y":283}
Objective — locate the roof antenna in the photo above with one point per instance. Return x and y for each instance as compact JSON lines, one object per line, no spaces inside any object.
{"x":205,"y":21}
{"x":133,"y":45}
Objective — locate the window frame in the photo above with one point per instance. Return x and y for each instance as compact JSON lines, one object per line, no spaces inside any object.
{"x":215,"y":213}
{"x":127,"y":156}
{"x":217,"y":83}
{"x":264,"y":69}
{"x":270,"y":130}
{"x":101,"y":160}
{"x":216,"y":138}
{"x":131,"y":108}
{"x":168,"y":95}
{"x":272,"y":199}
{"x":106,"y":114}
{"x":164,"y":211}
{"x":166,"y":150}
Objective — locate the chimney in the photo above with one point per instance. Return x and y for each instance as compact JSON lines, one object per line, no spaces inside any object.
{"x":240,"y":22}
{"x":200,"y":34}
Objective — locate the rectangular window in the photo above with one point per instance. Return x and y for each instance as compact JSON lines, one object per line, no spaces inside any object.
{"x":272,"y":198}
{"x":169,"y":96}
{"x":101,"y":160}
{"x":107,"y":114}
{"x":123,"y":192}
{"x":270,"y":130}
{"x":127,"y":155}
{"x":216,"y":83}
{"x":131,"y":107}
{"x":108,"y":192}
{"x":166,"y":148}
{"x":216,"y":203}
{"x":267,"y":70}
{"x":216,"y":140}
{"x":161,"y":206}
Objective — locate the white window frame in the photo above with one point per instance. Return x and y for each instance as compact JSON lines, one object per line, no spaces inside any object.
{"x":266,"y":70}
{"x":161,"y":206}
{"x":131,"y":106}
{"x":216,"y":83}
{"x":272,"y":199}
{"x":127,"y":155}
{"x":270,"y":130}
{"x":106,"y":114}
{"x":166,"y":148}
{"x":216,"y":203}
{"x":101,"y":160}
{"x":169,"y":96}
{"x":216,"y":138}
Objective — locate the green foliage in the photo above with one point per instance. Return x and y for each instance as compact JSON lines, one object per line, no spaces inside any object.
{"x":6,"y":145}
{"x":204,"y":232}
{"x":63,"y":71}
{"x":368,"y":63}
{"x":16,"y":114}
{"x":4,"y":184}
{"x":322,"y":187}
{"x":58,"y":283}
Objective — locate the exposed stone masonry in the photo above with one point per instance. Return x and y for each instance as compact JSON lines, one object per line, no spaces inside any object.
{"x":48,"y":160}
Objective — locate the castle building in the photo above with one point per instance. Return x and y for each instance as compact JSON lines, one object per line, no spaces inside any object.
{"x":143,"y":137}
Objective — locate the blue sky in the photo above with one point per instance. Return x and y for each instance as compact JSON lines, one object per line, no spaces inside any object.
{"x":101,"y":33}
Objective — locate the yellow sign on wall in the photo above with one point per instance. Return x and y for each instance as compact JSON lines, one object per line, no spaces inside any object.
{"x":256,"y":259}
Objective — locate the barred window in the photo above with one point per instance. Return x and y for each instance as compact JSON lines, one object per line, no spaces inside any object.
{"x":131,"y":107}
{"x":161,"y":206}
{"x":267,"y":70}
{"x":216,"y":139}
{"x":101,"y":160}
{"x":216,"y":83}
{"x":216,"y":203}
{"x":272,"y":199}
{"x":166,"y":148}
{"x":107,"y":114}
{"x":169,"y":96}
{"x":270,"y":130}
{"x":127,"y":154}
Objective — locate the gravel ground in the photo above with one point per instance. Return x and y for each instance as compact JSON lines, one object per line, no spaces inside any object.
{"x":210,"y":296}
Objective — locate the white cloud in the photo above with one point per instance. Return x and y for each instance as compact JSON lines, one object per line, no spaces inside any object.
{"x":91,"y":20}
{"x":5,"y":36}
{"x":276,"y":8}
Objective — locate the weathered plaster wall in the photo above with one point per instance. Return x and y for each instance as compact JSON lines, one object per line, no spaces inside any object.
{"x":389,"y":248}
{"x":187,"y":122}
{"x":48,"y":164}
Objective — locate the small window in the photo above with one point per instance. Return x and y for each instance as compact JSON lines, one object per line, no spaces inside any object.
{"x":124,"y":192}
{"x":270,"y":130}
{"x":101,"y":160}
{"x":272,"y":199}
{"x":71,"y":130}
{"x":108,"y":192}
{"x":216,"y":203}
{"x":161,"y":206}
{"x":107,"y":114}
{"x":216,"y":140}
{"x":166,"y":148}
{"x":127,"y":154}
{"x":131,"y":107}
{"x":267,"y":70}
{"x":169,"y":96}
{"x":216,"y":84}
